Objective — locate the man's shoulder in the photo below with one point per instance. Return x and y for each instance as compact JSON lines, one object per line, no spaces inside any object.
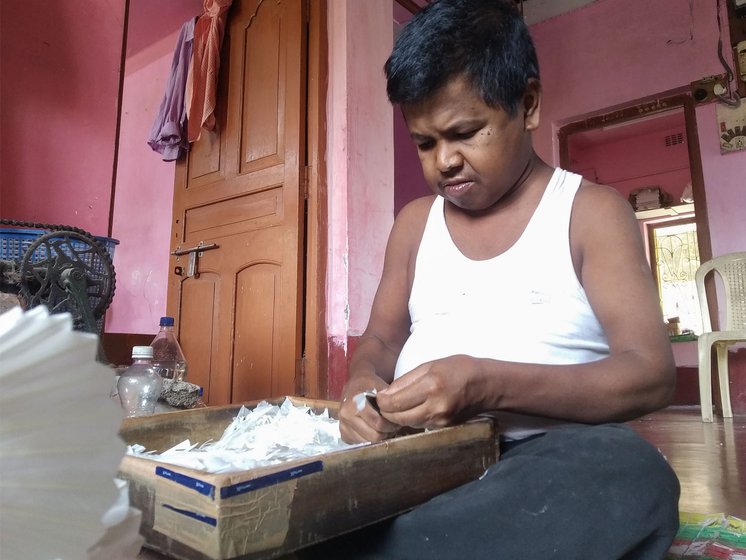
{"x":417,"y":208}
{"x":594,"y":200}
{"x":601,"y":212}
{"x":414,"y":214}
{"x":409,"y":224}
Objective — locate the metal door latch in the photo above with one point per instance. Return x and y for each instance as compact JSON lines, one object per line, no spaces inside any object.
{"x":194,"y":254}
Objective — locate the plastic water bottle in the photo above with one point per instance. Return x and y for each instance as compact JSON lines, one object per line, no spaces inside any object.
{"x":139,"y":386}
{"x":167,"y":354}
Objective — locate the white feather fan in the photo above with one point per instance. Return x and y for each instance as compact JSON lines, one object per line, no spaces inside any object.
{"x":59,"y":448}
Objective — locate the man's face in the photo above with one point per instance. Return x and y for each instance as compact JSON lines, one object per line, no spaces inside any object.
{"x":471,"y":154}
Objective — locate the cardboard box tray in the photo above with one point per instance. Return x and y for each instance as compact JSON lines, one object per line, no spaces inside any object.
{"x":270,"y":511}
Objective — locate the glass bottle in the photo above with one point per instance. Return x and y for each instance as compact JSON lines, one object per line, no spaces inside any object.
{"x":139,"y":386}
{"x":167,"y":354}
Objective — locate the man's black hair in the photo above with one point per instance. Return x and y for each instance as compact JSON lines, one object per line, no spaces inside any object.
{"x":486,"y":41}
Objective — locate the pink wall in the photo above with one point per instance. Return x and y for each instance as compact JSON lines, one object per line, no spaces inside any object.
{"x":725,"y":183}
{"x":632,"y":163}
{"x":360,"y":171}
{"x":369,"y":153}
{"x":612,"y":52}
{"x":144,"y":183}
{"x":408,"y":180}
{"x":615,"y":51}
{"x":59,"y":110}
{"x":58,"y":127}
{"x":360,"y":176}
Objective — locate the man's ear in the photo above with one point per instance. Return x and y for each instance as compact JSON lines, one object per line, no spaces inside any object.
{"x":532,"y":104}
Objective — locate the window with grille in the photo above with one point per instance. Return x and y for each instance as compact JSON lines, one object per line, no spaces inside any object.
{"x":674,"y":259}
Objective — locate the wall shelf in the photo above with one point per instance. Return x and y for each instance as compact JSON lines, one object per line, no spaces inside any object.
{"x":663,"y":212}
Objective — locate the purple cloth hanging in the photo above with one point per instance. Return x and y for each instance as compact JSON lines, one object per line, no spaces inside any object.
{"x":168,"y":136}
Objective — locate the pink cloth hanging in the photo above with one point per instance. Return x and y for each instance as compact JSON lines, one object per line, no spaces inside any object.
{"x":202,"y":81}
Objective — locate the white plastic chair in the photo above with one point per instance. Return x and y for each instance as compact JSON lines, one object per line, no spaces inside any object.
{"x":732,"y":271}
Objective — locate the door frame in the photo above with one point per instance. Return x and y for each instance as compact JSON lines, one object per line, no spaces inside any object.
{"x":642,"y":108}
{"x":315,"y":360}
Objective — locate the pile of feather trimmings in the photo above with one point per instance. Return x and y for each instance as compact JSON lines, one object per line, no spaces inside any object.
{"x":265,"y":435}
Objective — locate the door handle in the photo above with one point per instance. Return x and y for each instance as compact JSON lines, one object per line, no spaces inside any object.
{"x":194,"y":254}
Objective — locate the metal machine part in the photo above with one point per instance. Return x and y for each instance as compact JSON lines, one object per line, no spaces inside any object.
{"x":66,"y":269}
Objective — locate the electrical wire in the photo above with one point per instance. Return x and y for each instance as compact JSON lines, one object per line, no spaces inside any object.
{"x":734,"y":100}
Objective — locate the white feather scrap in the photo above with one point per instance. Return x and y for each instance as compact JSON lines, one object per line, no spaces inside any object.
{"x":266,"y":435}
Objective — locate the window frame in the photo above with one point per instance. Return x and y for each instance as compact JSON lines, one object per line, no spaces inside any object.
{"x":650,"y":231}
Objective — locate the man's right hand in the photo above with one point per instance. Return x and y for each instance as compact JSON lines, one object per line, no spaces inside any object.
{"x":365,"y":425}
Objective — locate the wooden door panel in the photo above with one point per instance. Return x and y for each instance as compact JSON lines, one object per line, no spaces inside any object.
{"x":262,"y":130}
{"x":199,"y":303}
{"x":233,"y":216}
{"x":204,"y":158}
{"x":239,"y":319}
{"x":241,"y":189}
{"x":257,"y":288}
{"x":239,"y":185}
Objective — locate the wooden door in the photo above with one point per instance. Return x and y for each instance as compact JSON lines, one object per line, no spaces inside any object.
{"x":241,"y":187}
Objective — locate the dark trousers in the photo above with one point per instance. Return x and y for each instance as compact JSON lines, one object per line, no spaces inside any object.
{"x":589,"y":492}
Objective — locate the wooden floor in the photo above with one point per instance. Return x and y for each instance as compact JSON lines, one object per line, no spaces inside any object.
{"x":709,"y":459}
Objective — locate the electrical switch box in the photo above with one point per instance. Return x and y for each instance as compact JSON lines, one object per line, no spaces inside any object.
{"x":705,"y":90}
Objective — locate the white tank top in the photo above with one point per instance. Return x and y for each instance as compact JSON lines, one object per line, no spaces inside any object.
{"x":524,"y":305}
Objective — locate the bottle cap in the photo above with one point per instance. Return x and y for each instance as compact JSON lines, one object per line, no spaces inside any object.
{"x":167,"y":321}
{"x":142,"y":352}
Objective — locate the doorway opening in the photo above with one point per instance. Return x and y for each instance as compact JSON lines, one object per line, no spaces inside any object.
{"x":649,"y":152}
